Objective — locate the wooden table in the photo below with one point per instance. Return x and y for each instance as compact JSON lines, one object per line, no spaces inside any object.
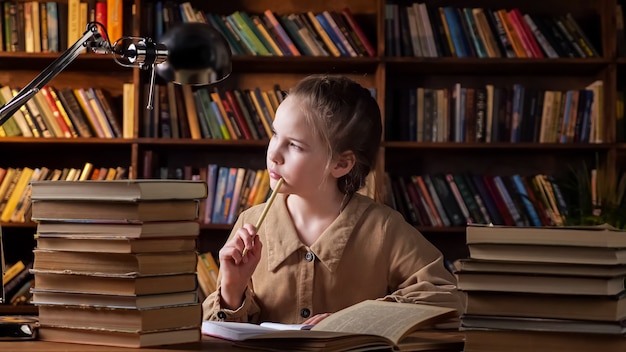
{"x":207,"y":344}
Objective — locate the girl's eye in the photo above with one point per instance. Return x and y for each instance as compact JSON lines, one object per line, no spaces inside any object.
{"x":295,"y":146}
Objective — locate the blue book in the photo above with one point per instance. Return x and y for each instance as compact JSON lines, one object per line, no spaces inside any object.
{"x":473,"y":32}
{"x":517,"y":113}
{"x":492,"y":208}
{"x":528,"y":205}
{"x":508,"y":201}
{"x":220,"y":191}
{"x":211,"y":179}
{"x":158,"y":21}
{"x":52,"y":18}
{"x":455,"y":31}
{"x":331,"y":33}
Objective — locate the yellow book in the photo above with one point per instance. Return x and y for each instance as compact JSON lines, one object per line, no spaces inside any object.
{"x":22,"y":210}
{"x":261,"y":28}
{"x":16,"y":195}
{"x":86,"y":173}
{"x":111,"y":174}
{"x":322,"y":33}
{"x":218,"y":100}
{"x":264,"y":187}
{"x":62,"y":111}
{"x":74,"y":30}
{"x":210,"y":262}
{"x":192,"y":114}
{"x":12,"y":272}
{"x":128,"y":113}
{"x":514,"y":38}
{"x":6,"y":181}
{"x":268,"y":103}
{"x":115,"y":19}
{"x":205,"y":281}
{"x":257,"y":106}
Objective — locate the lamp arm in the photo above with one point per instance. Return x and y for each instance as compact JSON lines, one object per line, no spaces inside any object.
{"x":58,"y":65}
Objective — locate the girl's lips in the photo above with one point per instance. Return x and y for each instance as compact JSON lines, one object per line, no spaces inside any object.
{"x":274,"y":175}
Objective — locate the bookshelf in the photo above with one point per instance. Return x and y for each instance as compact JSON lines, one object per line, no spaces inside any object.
{"x":386,"y":73}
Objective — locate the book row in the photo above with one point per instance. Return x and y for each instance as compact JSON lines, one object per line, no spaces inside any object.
{"x":48,"y":26}
{"x":492,"y":114}
{"x":17,"y":281}
{"x":64,"y":113}
{"x":458,"y":199}
{"x":231,"y":190}
{"x":426,"y":30}
{"x":328,"y":33}
{"x":183,"y":112}
{"x":15,"y":202}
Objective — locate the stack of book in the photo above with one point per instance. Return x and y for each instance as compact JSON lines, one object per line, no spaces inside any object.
{"x":115,"y":262}
{"x":544,"y":289}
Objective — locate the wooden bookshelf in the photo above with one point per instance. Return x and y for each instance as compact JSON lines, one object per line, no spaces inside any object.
{"x":384,"y":73}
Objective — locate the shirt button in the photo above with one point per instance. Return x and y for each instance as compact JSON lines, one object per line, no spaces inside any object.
{"x":305,"y":313}
{"x":309,"y":256}
{"x":221,"y":315}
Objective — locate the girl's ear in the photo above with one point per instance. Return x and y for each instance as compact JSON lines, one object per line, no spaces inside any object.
{"x":344,"y":163}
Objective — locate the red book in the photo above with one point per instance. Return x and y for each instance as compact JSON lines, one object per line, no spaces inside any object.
{"x":347,"y":14}
{"x":241,"y":120}
{"x":101,"y":17}
{"x":55,"y":111}
{"x":497,"y":198}
{"x":534,"y":45}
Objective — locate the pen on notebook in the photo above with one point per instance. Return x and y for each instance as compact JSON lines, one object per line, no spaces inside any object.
{"x":268,"y":204}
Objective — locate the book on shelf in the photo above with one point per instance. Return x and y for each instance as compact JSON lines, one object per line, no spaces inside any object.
{"x":124,"y":284}
{"x":120,"y":190}
{"x":61,"y":298}
{"x":368,"y":324}
{"x":130,"y":339}
{"x":160,"y":263}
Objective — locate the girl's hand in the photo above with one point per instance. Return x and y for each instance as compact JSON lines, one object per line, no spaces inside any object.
{"x":317,"y":318}
{"x":235,"y":268}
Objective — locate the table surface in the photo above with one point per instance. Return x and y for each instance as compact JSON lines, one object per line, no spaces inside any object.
{"x":207,"y":344}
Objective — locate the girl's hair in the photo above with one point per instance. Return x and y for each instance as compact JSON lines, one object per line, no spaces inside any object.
{"x":346,"y":117}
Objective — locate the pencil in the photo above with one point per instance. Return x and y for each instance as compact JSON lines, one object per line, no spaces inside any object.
{"x":268,"y":204}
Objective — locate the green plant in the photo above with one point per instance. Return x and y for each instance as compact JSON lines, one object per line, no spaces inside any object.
{"x":593,"y":198}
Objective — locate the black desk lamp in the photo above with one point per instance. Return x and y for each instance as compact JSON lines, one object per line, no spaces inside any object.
{"x":191,"y":53}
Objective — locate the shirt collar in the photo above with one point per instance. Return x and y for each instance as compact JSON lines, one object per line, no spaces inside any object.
{"x":281,"y":239}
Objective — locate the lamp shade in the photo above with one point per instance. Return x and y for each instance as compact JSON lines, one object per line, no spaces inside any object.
{"x":197,"y":55}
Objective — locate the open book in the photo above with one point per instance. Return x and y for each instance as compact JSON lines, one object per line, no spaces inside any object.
{"x":366,"y":325}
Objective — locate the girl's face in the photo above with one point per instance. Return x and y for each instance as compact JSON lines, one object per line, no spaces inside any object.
{"x":296,"y":154}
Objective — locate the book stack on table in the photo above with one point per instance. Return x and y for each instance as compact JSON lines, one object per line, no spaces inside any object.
{"x":115,"y":262}
{"x":544,"y":289}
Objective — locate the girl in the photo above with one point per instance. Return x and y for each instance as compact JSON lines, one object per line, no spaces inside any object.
{"x":323,"y":246}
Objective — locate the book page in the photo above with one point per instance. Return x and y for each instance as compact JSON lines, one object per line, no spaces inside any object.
{"x":392,"y":320}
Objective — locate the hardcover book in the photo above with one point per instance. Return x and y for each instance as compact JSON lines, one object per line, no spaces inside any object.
{"x":120,"y":190}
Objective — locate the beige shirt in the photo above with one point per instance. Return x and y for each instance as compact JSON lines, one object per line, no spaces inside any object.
{"x":368,"y":252}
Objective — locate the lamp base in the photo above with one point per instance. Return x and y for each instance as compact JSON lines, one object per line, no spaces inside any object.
{"x":18,"y":327}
